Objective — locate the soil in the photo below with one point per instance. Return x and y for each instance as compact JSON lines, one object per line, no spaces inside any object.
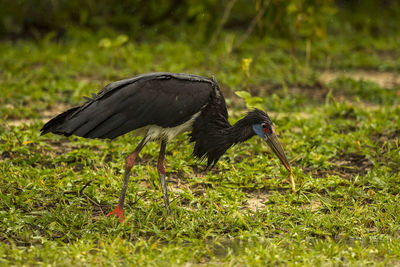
{"x":46,"y":115}
{"x":345,"y":166}
{"x":383,"y":79}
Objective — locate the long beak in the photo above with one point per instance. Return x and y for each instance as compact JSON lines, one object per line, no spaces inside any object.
{"x":273,"y":142}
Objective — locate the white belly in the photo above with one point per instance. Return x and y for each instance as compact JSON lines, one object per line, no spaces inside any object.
{"x":155,"y":132}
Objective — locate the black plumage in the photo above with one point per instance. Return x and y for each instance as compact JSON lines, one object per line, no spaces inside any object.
{"x":162,"y":99}
{"x":160,"y":106}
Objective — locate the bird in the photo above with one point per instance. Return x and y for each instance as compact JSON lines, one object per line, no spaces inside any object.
{"x":159,"y":106}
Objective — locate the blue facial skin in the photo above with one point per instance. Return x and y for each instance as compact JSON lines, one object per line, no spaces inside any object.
{"x":258,"y":130}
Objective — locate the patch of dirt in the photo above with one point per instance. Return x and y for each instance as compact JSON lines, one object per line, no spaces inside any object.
{"x":319,"y":90}
{"x":313,"y":205}
{"x":387,"y":141}
{"x":256,"y":202}
{"x":45,"y":115}
{"x":383,"y":79}
{"x":177,"y":184}
{"x":55,"y":110}
{"x":61,"y":146}
{"x":382,"y":138}
{"x":316,"y":92}
{"x":6,"y":155}
{"x":19,"y":122}
{"x":257,"y":198}
{"x":345,"y":166}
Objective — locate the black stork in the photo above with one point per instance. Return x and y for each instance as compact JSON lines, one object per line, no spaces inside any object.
{"x":160,"y":106}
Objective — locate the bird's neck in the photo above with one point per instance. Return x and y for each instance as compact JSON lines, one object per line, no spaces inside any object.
{"x":217,"y":144}
{"x":215,"y":137}
{"x":239,"y":132}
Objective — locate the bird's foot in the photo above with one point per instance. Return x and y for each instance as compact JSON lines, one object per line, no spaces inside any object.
{"x":119,"y":213}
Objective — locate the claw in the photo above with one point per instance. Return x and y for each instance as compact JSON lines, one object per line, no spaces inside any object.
{"x":119,"y":213}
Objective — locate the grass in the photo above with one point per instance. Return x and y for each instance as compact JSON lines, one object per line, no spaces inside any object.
{"x":342,"y":138}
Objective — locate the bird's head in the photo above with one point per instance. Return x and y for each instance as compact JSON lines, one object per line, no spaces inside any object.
{"x":264,"y":128}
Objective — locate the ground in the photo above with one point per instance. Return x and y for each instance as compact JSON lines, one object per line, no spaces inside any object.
{"x":339,"y":124}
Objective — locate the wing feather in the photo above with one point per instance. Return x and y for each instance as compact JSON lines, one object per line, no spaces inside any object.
{"x":162,"y":99}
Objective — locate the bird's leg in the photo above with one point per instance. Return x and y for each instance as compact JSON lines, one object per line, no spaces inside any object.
{"x":129,"y":162}
{"x":161,"y":173}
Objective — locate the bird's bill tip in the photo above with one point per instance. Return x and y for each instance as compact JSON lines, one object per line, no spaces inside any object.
{"x":275,"y":145}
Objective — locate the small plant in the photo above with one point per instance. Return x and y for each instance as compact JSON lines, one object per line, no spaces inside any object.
{"x":251,"y":101}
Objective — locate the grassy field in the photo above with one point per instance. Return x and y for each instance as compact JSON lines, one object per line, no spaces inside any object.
{"x":336,"y":112}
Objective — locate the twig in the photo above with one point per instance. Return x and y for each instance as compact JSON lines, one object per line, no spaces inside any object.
{"x":86,"y":185}
{"x":224,"y":19}
{"x":253,"y":24}
{"x":94,"y":202}
{"x":139,"y":198}
{"x":84,"y":194}
{"x":80,"y":191}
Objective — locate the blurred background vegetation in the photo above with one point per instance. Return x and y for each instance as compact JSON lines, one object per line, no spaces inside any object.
{"x":204,"y":22}
{"x":259,"y":46}
{"x":198,"y":20}
{"x":248,"y":45}
{"x":312,"y":32}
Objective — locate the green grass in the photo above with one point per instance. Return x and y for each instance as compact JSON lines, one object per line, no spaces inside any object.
{"x":342,"y":138}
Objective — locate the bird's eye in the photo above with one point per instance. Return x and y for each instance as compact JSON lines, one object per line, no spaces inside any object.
{"x":266,"y":128}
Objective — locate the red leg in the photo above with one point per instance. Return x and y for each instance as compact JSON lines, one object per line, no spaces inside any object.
{"x":118,"y":212}
{"x":129,"y":162}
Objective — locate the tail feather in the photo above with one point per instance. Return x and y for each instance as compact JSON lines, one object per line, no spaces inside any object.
{"x":55,"y":125}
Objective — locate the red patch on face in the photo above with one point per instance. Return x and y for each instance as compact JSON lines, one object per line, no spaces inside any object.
{"x":268,"y":129}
